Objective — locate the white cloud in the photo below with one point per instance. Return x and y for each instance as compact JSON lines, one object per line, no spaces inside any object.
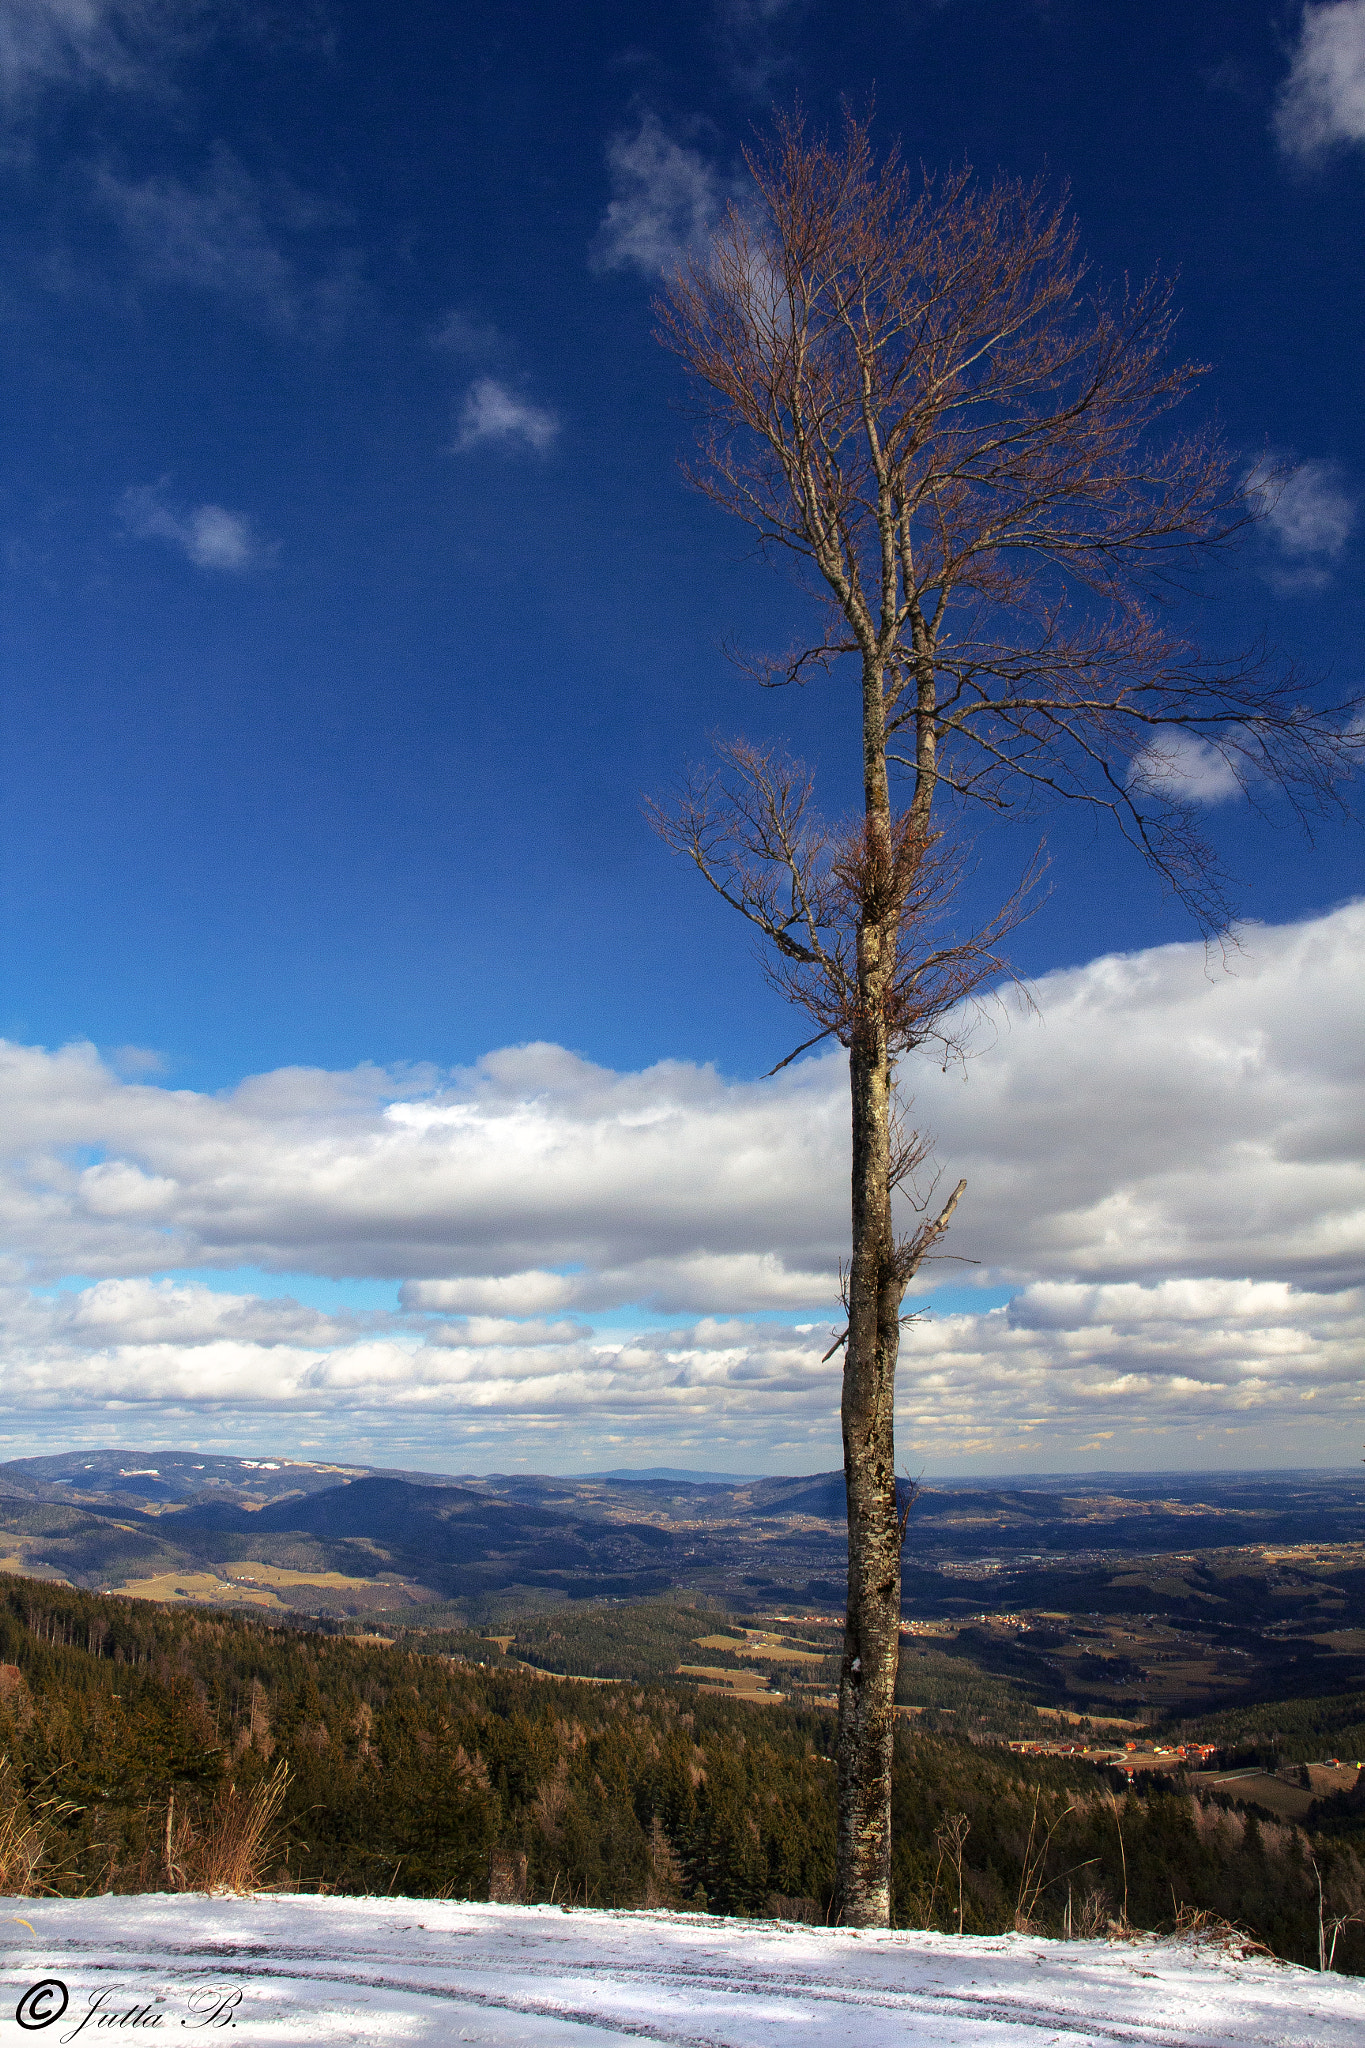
{"x":530,"y":1161}
{"x":1182,"y":1372}
{"x":1178,"y":1373}
{"x":667,"y":200}
{"x":226,"y":235}
{"x":749,"y":42}
{"x":1161,"y":1122}
{"x":1308,"y":515}
{"x":212,"y":235}
{"x":211,"y":537}
{"x":46,"y":42}
{"x":1170,"y":1167}
{"x":673,"y":1285}
{"x":129,"y":45}
{"x":494,"y":415}
{"x":1184,"y":768}
{"x":1322,"y":102}
{"x":464,"y":335}
{"x":1157,"y":1121}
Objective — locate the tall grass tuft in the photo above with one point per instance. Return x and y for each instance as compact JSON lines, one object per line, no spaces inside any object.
{"x":237,"y":1842}
{"x":25,"y":1838}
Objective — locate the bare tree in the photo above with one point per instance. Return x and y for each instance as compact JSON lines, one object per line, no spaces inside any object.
{"x":914,"y":393}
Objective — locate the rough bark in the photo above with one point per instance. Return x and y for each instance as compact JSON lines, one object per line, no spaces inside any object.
{"x":867,"y":1683}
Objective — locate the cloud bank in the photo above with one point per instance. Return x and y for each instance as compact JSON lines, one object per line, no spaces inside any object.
{"x":1183,"y":1373}
{"x":1170,"y":1168}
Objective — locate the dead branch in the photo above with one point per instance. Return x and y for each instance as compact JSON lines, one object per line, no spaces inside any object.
{"x":911,"y":1252}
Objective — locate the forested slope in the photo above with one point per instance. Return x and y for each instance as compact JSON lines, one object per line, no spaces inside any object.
{"x":127,"y":1730}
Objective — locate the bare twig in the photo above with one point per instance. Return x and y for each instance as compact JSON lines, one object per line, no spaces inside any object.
{"x":826,"y":1033}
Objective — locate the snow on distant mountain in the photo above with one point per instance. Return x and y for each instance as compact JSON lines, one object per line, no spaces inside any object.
{"x":296,"y":1972}
{"x":682,"y":1473}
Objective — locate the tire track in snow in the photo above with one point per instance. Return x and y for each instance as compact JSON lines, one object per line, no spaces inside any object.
{"x":685,"y":1982}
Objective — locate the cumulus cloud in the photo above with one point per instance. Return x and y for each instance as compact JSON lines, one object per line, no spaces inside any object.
{"x":1307,"y":515}
{"x":666,"y":200}
{"x":1169,"y":1168}
{"x":671,"y":1285}
{"x":1160,"y":1123}
{"x":1182,"y":1372}
{"x":494,"y":415}
{"x":534,"y":1160}
{"x":210,"y":536}
{"x":1184,"y":768}
{"x":1155,"y":1122}
{"x":1322,"y":102}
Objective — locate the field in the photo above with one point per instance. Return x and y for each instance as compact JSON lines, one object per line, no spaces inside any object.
{"x":715,"y":1678}
{"x":204,"y":1586}
{"x":762,"y":1642}
{"x":1289,"y":1794}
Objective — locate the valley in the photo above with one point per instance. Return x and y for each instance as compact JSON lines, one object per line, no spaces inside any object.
{"x":1140,"y":1600}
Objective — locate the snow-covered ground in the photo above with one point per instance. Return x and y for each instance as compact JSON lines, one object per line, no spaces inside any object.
{"x":291,"y":1970}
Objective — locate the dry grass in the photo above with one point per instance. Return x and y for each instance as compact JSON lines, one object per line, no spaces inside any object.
{"x":249,"y":1572}
{"x":1193,"y":1923}
{"x":1262,"y":1788}
{"x":25,"y":1838}
{"x":250,"y":1583}
{"x":720,"y":1677}
{"x":235,"y":1847}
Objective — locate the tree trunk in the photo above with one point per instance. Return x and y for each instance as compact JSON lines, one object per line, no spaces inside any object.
{"x":872,"y":1629}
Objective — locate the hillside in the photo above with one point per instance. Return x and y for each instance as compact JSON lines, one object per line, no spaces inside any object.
{"x":129,"y":1518}
{"x":134,"y":1740}
{"x":301,"y":1971}
{"x":1141,"y":1599}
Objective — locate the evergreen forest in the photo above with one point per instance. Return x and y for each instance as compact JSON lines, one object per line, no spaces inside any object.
{"x":139,"y":1744}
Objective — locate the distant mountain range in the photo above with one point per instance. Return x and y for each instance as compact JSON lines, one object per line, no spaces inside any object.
{"x":348,"y":1539}
{"x":677,"y":1472}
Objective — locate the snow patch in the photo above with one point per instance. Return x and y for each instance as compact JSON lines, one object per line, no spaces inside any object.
{"x":333,"y":1970}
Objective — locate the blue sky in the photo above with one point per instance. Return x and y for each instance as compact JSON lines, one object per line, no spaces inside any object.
{"x":352,"y":597}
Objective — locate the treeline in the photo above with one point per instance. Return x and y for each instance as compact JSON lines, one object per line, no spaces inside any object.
{"x":950,"y":1690}
{"x":643,"y":1640}
{"x":1289,"y":1731}
{"x":136,"y":1738}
